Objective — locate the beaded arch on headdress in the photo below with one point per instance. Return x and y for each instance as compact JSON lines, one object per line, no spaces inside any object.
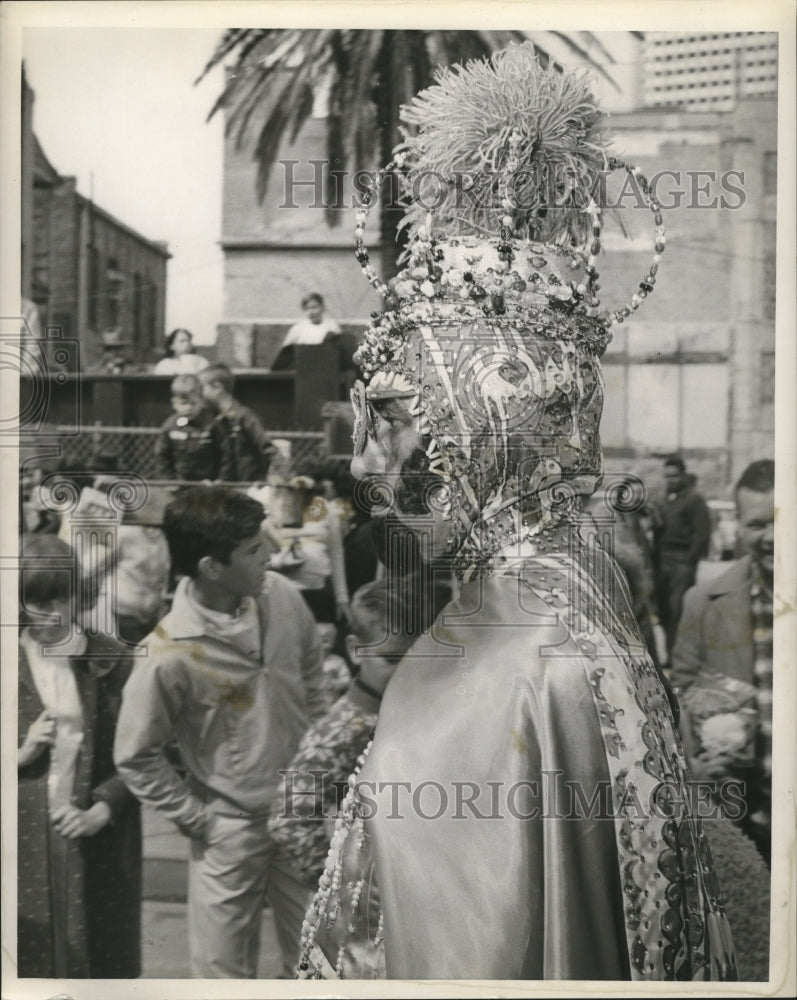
{"x":581,"y":294}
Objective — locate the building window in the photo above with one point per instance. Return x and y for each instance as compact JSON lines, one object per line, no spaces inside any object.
{"x":150,"y":312}
{"x":115,"y":282}
{"x":770,"y":282}
{"x":770,"y":173}
{"x":767,"y":377}
{"x":138,"y":325}
{"x":95,"y":288}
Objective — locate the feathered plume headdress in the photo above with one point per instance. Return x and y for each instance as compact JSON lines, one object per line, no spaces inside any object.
{"x":502,"y":130}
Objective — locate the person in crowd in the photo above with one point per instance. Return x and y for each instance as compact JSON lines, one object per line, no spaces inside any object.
{"x":192,"y":444}
{"x":682,"y":536}
{"x":311,"y":551}
{"x":314,"y":328}
{"x":618,"y":507}
{"x":34,"y":467}
{"x":79,"y":831}
{"x":249,"y":444}
{"x":233,"y":676}
{"x":140,"y":576}
{"x":315,"y":781}
{"x":477,"y":424}
{"x":180,"y":356}
{"x":310,"y":331}
{"x":337,"y":676}
{"x":127,"y":564}
{"x":722,"y":660}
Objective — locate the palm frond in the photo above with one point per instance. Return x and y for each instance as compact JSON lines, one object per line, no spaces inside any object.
{"x":229,"y":40}
{"x":275,"y":75}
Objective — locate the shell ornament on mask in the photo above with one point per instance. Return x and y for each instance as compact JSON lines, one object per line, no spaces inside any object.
{"x":494,"y":341}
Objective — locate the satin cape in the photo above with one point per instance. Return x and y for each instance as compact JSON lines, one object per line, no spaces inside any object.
{"x":524,"y":809}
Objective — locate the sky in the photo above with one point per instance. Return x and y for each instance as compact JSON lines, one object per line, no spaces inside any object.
{"x":120,"y":103}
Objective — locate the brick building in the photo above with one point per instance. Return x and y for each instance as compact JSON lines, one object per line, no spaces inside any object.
{"x":90,"y":276}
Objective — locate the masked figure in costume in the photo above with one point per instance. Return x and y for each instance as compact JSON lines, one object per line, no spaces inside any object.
{"x":522,"y":811}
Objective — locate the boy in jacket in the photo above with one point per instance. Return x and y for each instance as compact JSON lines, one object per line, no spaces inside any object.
{"x":233,"y":676}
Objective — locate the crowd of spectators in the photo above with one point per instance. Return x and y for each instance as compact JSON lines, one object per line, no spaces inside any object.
{"x":231,"y":639}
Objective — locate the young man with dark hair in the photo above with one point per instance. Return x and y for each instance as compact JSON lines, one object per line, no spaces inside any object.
{"x":682,"y":539}
{"x":726,"y":631}
{"x":250,"y":448}
{"x":233,"y":676}
{"x":191,"y":445}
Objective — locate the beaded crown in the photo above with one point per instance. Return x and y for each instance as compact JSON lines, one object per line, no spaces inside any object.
{"x":499,"y":182}
{"x":492,"y":330}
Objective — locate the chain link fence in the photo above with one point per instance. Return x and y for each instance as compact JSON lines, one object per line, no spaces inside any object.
{"x":132,"y":449}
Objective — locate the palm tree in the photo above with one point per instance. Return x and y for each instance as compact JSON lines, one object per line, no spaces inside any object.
{"x":366,"y":76}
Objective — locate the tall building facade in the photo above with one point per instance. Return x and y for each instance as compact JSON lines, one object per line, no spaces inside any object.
{"x":709,"y":71}
{"x":693,"y":371}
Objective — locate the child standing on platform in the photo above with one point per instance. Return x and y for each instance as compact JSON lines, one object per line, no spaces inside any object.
{"x":251,"y":448}
{"x":191,"y":444}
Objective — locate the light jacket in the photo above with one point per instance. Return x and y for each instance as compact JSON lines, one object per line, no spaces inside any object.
{"x":235,"y":720}
{"x":715,"y":633}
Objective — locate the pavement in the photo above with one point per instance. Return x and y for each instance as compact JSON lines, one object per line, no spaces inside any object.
{"x":164,"y":933}
{"x":164,"y":943}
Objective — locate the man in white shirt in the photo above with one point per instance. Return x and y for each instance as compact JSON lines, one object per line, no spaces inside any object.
{"x":313,"y":329}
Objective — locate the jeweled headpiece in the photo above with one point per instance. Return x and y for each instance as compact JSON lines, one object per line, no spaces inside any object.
{"x":492,"y":330}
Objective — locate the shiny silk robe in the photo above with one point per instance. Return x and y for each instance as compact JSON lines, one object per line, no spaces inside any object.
{"x":576,"y":858}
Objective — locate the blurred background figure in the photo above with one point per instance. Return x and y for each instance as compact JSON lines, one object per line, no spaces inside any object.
{"x":337,"y":676}
{"x":192,"y":445}
{"x":79,"y":835}
{"x":306,"y":805}
{"x":180,"y":357}
{"x":250,"y":447}
{"x":722,"y":660}
{"x":632,"y":550}
{"x":682,"y":532}
{"x":313,"y":328}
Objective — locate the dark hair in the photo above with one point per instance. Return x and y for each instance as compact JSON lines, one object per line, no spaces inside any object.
{"x":51,"y":577}
{"x":217,"y":372}
{"x":312,"y":297}
{"x":759,"y":476}
{"x":185,"y":385}
{"x":170,"y":340}
{"x":208,"y":521}
{"x":676,"y":462}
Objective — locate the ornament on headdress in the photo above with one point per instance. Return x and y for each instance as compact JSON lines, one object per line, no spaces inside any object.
{"x":499,"y":182}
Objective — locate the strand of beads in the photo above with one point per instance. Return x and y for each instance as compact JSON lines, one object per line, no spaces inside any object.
{"x":647,"y":283}
{"x":330,"y":881}
{"x":507,"y":205}
{"x":360,"y":250}
{"x":590,"y":285}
